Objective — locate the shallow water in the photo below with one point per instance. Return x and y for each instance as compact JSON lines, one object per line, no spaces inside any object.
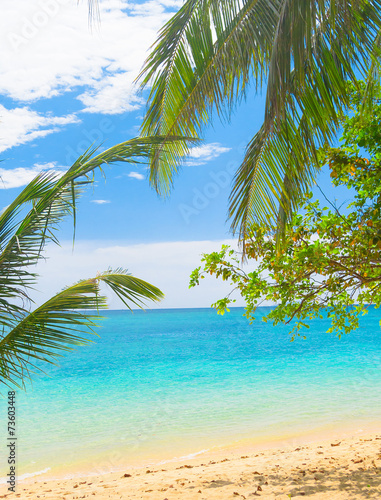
{"x":167,"y":383}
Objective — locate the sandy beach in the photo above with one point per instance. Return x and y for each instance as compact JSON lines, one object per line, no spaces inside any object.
{"x":349,"y":468}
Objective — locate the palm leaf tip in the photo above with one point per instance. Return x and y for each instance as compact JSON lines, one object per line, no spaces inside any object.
{"x":130,"y":289}
{"x":64,"y":322}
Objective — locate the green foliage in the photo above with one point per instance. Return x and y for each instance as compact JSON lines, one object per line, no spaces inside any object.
{"x":329,"y":262}
{"x":302,"y":51}
{"x":26,"y":226}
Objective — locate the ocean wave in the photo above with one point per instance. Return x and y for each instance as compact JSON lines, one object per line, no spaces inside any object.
{"x":3,"y":480}
{"x":184,"y":457}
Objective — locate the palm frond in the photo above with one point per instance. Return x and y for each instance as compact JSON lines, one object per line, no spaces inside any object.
{"x":189,"y":70}
{"x":274,"y":166}
{"x":41,"y":335}
{"x":94,"y":15}
{"x":129,"y":289}
{"x":48,"y":199}
{"x":26,"y":225}
{"x":304,"y":51}
{"x":374,"y":74}
{"x":62,"y":323}
{"x":23,"y":236}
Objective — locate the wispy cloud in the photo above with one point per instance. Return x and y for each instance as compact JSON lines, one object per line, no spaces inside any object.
{"x":21,"y":125}
{"x":112,"y":95}
{"x":100,"y":202}
{"x":49,"y":50}
{"x":136,"y":175}
{"x":19,"y":177}
{"x":200,"y":155}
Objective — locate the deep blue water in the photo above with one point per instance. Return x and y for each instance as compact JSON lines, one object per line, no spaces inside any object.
{"x":166,"y":383}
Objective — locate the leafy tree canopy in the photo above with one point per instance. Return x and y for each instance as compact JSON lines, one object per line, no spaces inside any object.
{"x":330,"y":263}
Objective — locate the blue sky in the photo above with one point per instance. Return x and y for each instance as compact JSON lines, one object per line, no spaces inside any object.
{"x":64,"y":86}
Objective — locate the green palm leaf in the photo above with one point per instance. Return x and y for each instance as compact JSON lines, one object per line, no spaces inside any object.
{"x":61,"y":323}
{"x":47,"y":200}
{"x":304,"y":51}
{"x":26,"y":225}
{"x":129,"y":289}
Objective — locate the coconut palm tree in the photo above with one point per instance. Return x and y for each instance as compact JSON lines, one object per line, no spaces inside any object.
{"x":302,"y":52}
{"x":31,"y":337}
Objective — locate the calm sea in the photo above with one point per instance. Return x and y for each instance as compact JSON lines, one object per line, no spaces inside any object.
{"x":168,"y":383}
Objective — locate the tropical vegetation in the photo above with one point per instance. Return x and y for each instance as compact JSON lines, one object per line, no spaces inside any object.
{"x":29,"y":338}
{"x":330,"y":264}
{"x":300,"y":53}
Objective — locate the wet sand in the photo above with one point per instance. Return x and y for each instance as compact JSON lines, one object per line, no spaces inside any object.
{"x":331,"y":470}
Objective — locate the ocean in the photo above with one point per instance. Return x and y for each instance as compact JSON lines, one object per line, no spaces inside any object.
{"x":164,"y":384}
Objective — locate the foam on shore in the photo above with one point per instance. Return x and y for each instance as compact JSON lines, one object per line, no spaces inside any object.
{"x":326,"y":470}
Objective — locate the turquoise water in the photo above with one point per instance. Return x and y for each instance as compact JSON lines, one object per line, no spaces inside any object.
{"x":168,"y":383}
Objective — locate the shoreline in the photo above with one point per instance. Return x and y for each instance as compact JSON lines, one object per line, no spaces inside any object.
{"x":338,"y":467}
{"x":116,"y":461}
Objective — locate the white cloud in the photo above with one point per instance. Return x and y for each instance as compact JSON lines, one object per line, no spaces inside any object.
{"x":154,"y":6}
{"x":113,"y":95}
{"x":172,"y":3}
{"x":136,"y":175}
{"x":48,"y":49}
{"x":169,"y":269}
{"x":19,"y":177}
{"x":21,"y":125}
{"x":100,"y":202}
{"x":200,"y":155}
